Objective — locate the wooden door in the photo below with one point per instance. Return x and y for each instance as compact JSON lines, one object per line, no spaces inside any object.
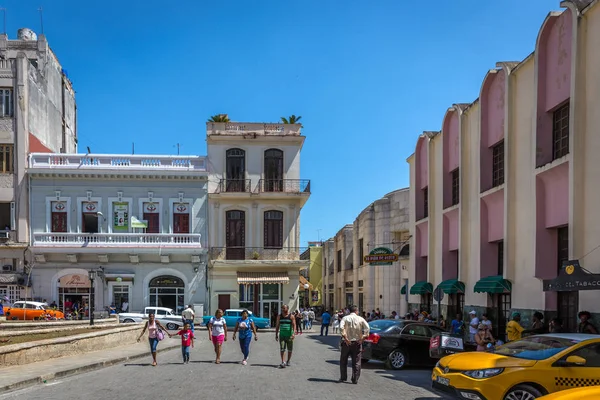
{"x":181,"y":223}
{"x":224,"y":301}
{"x":153,"y":222}
{"x":236,"y":234}
{"x":568,"y":304}
{"x":273,"y":170}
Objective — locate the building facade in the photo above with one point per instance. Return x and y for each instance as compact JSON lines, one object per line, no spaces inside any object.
{"x":37,"y":113}
{"x":139,"y":221}
{"x":311,"y":278}
{"x":348,"y":279}
{"x":256,"y":195}
{"x":503,"y":196}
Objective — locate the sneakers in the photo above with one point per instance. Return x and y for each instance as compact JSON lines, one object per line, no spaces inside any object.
{"x":288,"y":364}
{"x":282,"y":365}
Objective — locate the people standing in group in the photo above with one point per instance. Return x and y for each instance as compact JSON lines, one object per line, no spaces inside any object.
{"x":585,"y":326}
{"x":188,"y":316}
{"x":245,"y":326}
{"x":284,"y":334}
{"x":187,"y":341}
{"x":441,"y":322}
{"x":155,"y":330}
{"x":325,"y":320}
{"x":484,"y":337}
{"x":217,"y":333}
{"x":354,"y":330}
{"x":311,"y":318}
{"x":457,"y":326}
{"x":537,"y":325}
{"x":514,"y":330}
{"x":486,"y":321}
{"x":473,"y":325}
{"x":556,"y":325}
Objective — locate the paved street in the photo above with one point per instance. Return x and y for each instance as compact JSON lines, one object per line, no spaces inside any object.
{"x":313,"y":374}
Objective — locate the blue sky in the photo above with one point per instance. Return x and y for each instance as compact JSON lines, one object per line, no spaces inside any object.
{"x":367,"y":77}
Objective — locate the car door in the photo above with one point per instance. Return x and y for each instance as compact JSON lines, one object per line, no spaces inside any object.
{"x":17,"y":311}
{"x":574,"y":376}
{"x":31,"y":312}
{"x":416,"y":338}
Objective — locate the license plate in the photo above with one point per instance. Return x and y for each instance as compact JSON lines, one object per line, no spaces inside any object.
{"x":443,"y":381}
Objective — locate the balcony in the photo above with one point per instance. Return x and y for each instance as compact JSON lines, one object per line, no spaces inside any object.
{"x":234,"y":186}
{"x":251,"y":129}
{"x":283,"y":186}
{"x":255,"y":253}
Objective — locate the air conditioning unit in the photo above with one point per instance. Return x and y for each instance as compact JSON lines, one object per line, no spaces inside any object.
{"x":4,"y":234}
{"x":7,"y":267}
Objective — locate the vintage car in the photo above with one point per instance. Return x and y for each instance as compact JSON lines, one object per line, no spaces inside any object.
{"x":232,"y":315}
{"x":31,"y":310}
{"x":165,"y":316}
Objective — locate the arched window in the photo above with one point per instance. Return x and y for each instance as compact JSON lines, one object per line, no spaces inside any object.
{"x":235,"y":231}
{"x":167,"y":291}
{"x":273,"y":170}
{"x":235,"y":169}
{"x":273,"y":229}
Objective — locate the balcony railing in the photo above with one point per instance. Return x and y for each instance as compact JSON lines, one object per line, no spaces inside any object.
{"x":113,"y":161}
{"x":255,"y":129}
{"x":256,"y":253}
{"x":55,"y":239}
{"x":234,"y":186}
{"x":283,"y":186}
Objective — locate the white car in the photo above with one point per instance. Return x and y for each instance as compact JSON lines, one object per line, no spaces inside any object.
{"x":165,"y":316}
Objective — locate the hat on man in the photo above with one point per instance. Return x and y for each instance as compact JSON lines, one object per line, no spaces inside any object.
{"x":473,"y":312}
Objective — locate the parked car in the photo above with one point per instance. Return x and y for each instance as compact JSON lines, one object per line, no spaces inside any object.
{"x":588,"y":392}
{"x":31,"y":310}
{"x":399,"y":343}
{"x":232,"y":315}
{"x":165,"y":316}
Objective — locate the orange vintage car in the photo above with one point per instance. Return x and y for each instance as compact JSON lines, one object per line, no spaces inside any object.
{"x":31,"y":310}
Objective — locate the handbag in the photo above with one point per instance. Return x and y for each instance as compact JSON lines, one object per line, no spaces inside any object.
{"x":160,"y":335}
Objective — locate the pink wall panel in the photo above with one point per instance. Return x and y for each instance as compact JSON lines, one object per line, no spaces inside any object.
{"x":452,"y":218}
{"x":557,"y":61}
{"x":556,"y":196}
{"x":423,"y":232}
{"x":422,"y":164}
{"x":495,"y":215}
{"x":494,"y":118}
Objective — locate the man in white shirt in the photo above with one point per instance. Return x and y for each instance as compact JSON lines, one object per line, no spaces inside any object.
{"x":188,"y":316}
{"x":124,"y":306}
{"x":354,"y":331}
{"x":473,"y":324}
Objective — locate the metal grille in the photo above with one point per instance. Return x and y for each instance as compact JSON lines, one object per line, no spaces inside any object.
{"x":455,"y":186}
{"x":425,"y":202}
{"x":560,"y":132}
{"x":562,"y":246}
{"x":498,"y":164}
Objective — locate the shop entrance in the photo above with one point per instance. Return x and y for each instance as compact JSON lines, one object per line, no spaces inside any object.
{"x":263,"y":299}
{"x":74,"y":295}
{"x":167,"y":291}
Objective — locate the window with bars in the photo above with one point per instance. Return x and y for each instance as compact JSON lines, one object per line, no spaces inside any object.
{"x":6,"y":109}
{"x":426,"y":202}
{"x":562,"y":246}
{"x":361,"y":283}
{"x":455,"y":186}
{"x":501,"y":257}
{"x":7,"y":158}
{"x":361,"y":252}
{"x":498,"y":164}
{"x":560,"y":132}
{"x":339,"y":260}
{"x":273,"y":229}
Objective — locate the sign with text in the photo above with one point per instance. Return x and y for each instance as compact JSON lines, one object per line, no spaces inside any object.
{"x":74,"y":281}
{"x":381,"y":256}
{"x":572,"y":277}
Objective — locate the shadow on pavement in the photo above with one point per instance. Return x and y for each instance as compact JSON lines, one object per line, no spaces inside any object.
{"x":333,"y":341}
{"x":322,"y":380}
{"x":265,"y":365}
{"x":212,"y":362}
{"x":137,"y":365}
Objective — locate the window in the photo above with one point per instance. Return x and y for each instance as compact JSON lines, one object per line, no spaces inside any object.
{"x":426,"y":202}
{"x":273,"y":170}
{"x":349,"y":285}
{"x":455,"y":186}
{"x":152,"y":217}
{"x":58,"y":216}
{"x":590,"y":353}
{"x":7,"y":103}
{"x":361,"y":283}
{"x":501,"y":257}
{"x":562,"y":246}
{"x":235,"y":160}
{"x":361,"y":252}
{"x":181,"y":218}
{"x":6,"y":158}
{"x":560,"y":132}
{"x":246,"y":294}
{"x":120,"y":295}
{"x":339,"y":260}
{"x":89,"y":217}
{"x":273,"y":229}
{"x":498,"y":164}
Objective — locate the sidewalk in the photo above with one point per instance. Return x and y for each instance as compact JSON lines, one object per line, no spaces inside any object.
{"x":22,"y":376}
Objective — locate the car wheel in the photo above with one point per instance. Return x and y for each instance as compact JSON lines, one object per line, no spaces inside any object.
{"x":128,"y":321}
{"x":396,"y":359}
{"x":523,"y":392}
{"x":172,"y":326}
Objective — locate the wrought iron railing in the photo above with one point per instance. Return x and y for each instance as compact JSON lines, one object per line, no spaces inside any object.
{"x":283,"y":186}
{"x":234,"y":186}
{"x":256,"y":253}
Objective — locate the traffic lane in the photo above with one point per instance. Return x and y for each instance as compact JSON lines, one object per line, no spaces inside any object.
{"x":314,"y":372}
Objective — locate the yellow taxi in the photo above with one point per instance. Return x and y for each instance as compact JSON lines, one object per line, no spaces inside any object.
{"x":525,"y":369}
{"x":590,"y":392}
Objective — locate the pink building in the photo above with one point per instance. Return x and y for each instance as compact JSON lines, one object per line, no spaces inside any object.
{"x":506,"y":193}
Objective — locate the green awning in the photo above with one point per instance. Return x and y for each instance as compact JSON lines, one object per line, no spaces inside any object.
{"x":403,"y":290}
{"x":452,"y":286}
{"x":493,"y":284}
{"x":422,"y":287}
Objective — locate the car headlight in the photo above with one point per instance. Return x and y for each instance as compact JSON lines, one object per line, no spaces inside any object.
{"x":483,"y":373}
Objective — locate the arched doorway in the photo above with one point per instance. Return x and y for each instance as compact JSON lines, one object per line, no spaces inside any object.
{"x":167,"y":291}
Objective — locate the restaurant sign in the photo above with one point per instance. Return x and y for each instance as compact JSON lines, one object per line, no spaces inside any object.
{"x":572,"y":277}
{"x":74,"y":281}
{"x":381,"y":256}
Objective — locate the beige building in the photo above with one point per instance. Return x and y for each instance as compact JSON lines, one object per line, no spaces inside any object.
{"x":255,"y":198}
{"x":348,"y":280}
{"x":504,"y":197}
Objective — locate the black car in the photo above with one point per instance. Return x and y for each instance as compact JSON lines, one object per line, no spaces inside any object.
{"x":399,"y":343}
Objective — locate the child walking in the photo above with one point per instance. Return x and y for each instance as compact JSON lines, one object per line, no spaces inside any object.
{"x":187,"y":340}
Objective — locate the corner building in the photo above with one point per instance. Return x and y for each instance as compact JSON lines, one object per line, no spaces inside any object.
{"x":506,"y":191}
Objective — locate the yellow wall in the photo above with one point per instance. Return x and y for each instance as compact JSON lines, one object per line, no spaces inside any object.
{"x":316,"y":273}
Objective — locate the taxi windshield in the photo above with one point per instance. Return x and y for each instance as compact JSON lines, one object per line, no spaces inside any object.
{"x":535,"y":347}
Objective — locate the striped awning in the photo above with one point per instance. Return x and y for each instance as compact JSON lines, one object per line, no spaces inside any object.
{"x":251,"y":278}
{"x":304,"y":281}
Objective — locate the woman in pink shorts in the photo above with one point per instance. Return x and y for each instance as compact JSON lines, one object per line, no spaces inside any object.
{"x":217,"y":332}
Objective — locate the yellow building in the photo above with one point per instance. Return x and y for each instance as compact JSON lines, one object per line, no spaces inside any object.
{"x":311,"y":278}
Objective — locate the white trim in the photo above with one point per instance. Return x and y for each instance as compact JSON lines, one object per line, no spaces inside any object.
{"x":112,"y":284}
{"x":81,"y":200}
{"x":49,"y":200}
{"x":190,"y":202}
{"x":140,"y":213}
{"x":109,"y":216}
{"x":159,"y":272}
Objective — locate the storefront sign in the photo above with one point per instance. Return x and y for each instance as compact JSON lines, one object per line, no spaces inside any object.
{"x":74,"y":281}
{"x":120,"y":217}
{"x":381,"y":256}
{"x":572,"y":277}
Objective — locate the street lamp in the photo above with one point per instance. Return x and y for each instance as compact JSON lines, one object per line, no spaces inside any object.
{"x":306,"y":287}
{"x":92,"y":275}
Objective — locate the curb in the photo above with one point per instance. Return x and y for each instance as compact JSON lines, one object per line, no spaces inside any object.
{"x":78,"y":370}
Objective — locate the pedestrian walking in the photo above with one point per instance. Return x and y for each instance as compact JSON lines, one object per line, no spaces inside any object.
{"x":156,"y":332}
{"x":187,"y":340}
{"x":284,"y":334}
{"x":217,"y":333}
{"x":311,"y":318}
{"x":298,"y":320}
{"x":188,"y":316}
{"x":325,"y":320}
{"x":355,"y":330}
{"x":246,"y":327}
{"x":305,"y":319}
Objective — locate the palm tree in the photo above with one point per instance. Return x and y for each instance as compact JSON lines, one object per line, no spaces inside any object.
{"x":292,"y":119}
{"x":219,"y":118}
